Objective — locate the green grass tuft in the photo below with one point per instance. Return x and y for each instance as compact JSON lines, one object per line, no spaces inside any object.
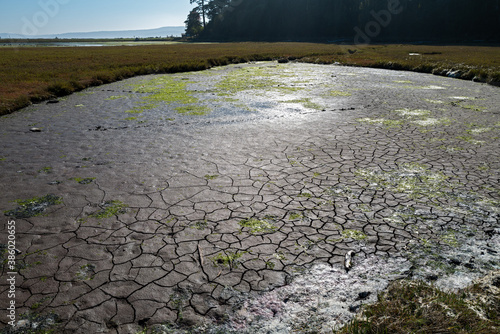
{"x":256,"y":226}
{"x":110,"y":209}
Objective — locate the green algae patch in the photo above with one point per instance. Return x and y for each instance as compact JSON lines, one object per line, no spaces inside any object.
{"x":257,"y":226}
{"x":201,"y":225}
{"x":193,"y":110}
{"x":257,"y":78}
{"x":227,"y":259}
{"x":336,"y":93}
{"x":410,"y":113}
{"x":246,"y":79}
{"x":419,"y":117}
{"x":429,"y":87}
{"x":86,"y":180}
{"x":462,"y":98}
{"x":86,"y":272}
{"x":434,"y":101}
{"x":114,"y":97}
{"x":295,"y":216}
{"x":471,"y":140}
{"x":353,"y":234}
{"x":413,"y":179}
{"x":33,"y":207}
{"x":476,"y":131}
{"x":168,"y":90}
{"x":370,"y":120}
{"x":425,"y":122}
{"x":388,"y":123}
{"x":402,"y":217}
{"x":110,"y":209}
{"x":46,"y":170}
{"x":141,"y":107}
{"x":37,"y":323}
{"x":472,"y":107}
{"x":306,"y":103}
{"x":450,"y":239}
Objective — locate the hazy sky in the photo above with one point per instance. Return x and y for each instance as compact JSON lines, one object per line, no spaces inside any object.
{"x":29,"y":17}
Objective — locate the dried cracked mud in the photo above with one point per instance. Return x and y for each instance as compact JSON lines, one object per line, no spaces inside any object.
{"x":227,"y":200}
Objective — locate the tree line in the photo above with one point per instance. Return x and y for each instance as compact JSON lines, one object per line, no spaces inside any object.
{"x":361,"y":21}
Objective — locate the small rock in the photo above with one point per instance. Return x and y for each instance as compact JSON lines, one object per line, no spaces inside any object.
{"x":491,"y":251}
{"x":495,"y":281}
{"x":432,"y":277}
{"x":454,"y":74}
{"x":111,"y":324}
{"x":143,"y":322}
{"x":52,"y":101}
{"x":469,"y":265}
{"x":363,"y":295}
{"x":354,"y":308}
{"x":36,"y":130}
{"x":489,"y":232}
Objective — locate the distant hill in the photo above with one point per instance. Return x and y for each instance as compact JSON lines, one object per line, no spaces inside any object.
{"x":159,"y":32}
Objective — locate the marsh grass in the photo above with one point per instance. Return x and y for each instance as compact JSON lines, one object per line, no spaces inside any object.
{"x":30,"y":75}
{"x":418,"y":307}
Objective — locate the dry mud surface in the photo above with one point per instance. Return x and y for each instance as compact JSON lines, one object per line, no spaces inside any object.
{"x":226,"y":200}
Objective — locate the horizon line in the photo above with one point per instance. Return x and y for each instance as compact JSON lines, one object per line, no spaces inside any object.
{"x":87,"y":32}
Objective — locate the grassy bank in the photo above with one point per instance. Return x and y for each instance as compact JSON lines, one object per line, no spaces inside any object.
{"x":35,"y":74}
{"x":418,"y":307}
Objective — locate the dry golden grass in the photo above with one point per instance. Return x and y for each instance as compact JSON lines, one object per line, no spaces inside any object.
{"x":34,"y":74}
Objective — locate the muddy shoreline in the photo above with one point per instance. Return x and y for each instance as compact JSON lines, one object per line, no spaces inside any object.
{"x":231,"y":196}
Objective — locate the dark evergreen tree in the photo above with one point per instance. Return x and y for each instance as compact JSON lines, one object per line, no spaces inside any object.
{"x":217,"y":7}
{"x":353,"y":20}
{"x":201,"y":9}
{"x":193,"y":24}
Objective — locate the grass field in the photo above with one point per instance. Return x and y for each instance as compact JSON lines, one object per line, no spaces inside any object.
{"x":35,"y":74}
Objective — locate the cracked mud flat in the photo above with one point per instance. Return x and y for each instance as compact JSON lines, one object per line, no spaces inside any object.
{"x":226,"y":200}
